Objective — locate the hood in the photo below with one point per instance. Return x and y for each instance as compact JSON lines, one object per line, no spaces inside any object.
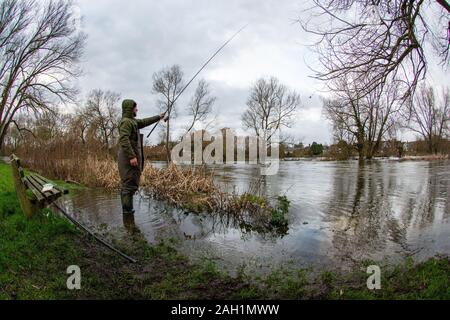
{"x":127,"y":108}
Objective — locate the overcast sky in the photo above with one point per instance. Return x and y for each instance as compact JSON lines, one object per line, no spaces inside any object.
{"x":129,"y":41}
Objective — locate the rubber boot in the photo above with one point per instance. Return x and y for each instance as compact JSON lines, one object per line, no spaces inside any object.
{"x":127,"y":203}
{"x":129,"y":224}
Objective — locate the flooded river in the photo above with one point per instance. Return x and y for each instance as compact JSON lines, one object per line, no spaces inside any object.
{"x":341,"y":213}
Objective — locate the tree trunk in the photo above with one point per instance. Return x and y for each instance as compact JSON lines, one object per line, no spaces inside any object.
{"x":436,"y":145}
{"x":106,"y":141}
{"x":360,"y":153}
{"x":167,"y":141}
{"x":430,"y":145}
{"x":2,"y":142}
{"x":360,"y":146}
{"x":369,"y":150}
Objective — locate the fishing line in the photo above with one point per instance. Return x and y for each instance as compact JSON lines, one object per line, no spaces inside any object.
{"x":198,"y":72}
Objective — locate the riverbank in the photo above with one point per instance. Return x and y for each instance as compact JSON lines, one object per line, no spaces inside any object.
{"x":35,"y":253}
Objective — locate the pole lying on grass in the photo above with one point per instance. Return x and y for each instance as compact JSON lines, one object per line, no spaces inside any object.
{"x":81,"y":226}
{"x":198,"y":72}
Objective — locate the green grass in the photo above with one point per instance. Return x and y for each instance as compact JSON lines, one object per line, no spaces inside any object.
{"x":8,"y":200}
{"x":35,"y":253}
{"x":427,"y":280}
{"x":407,"y":281}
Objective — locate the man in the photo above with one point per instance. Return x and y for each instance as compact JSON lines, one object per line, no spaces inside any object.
{"x":131,"y":155}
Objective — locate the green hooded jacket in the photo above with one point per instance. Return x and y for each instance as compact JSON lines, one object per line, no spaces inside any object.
{"x":129,"y":137}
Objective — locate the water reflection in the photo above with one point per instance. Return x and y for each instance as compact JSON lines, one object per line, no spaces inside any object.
{"x":130,"y":224}
{"x":388,"y":209}
{"x":361,"y":216}
{"x":341,"y":213}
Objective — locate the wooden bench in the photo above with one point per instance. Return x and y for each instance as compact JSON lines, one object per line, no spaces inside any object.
{"x":30,"y":189}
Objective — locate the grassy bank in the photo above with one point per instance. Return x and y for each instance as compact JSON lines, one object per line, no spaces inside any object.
{"x":35,"y":253}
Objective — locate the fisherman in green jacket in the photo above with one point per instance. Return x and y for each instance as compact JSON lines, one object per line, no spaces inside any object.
{"x":131,"y":154}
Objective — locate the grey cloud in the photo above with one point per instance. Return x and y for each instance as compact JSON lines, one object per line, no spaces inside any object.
{"x":130,"y":41}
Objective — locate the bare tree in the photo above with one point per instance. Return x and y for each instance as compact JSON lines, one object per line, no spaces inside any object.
{"x":338,"y":120}
{"x":48,"y":124}
{"x":378,"y":40}
{"x":201,"y":104}
{"x":19,"y":132}
{"x":429,"y":116}
{"x":367,"y":119}
{"x":168,"y":84}
{"x":270,"y":107}
{"x":102,"y":111}
{"x":80,"y":124}
{"x":39,"y":48}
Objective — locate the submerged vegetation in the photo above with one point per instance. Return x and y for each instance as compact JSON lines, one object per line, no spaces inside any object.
{"x":195,"y":190}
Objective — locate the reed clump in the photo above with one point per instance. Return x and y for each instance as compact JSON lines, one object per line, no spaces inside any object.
{"x":102,"y":173}
{"x":90,"y":171}
{"x":195,"y":190}
{"x":181,"y":186}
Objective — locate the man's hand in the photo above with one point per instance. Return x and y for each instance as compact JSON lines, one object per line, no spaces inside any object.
{"x":164,"y":116}
{"x":134,"y":162}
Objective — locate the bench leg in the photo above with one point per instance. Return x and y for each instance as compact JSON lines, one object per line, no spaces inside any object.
{"x":28,"y":208}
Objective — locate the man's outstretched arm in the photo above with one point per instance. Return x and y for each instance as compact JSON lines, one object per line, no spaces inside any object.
{"x":142,"y":123}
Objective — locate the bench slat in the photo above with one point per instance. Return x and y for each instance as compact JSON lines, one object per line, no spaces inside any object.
{"x":39,"y":196}
{"x":30,"y":185}
{"x":45,"y":180}
{"x":52,"y":194}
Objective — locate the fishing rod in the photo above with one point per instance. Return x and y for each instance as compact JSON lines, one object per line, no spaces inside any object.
{"x":195,"y":76}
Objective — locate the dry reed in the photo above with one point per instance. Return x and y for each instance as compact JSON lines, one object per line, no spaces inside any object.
{"x":194,"y":189}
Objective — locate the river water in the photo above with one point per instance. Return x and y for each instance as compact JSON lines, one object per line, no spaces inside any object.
{"x":341,"y":214}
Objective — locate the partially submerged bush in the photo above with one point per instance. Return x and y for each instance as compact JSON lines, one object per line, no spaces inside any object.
{"x":194,"y":189}
{"x":188,"y":186}
{"x":280,"y":213}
